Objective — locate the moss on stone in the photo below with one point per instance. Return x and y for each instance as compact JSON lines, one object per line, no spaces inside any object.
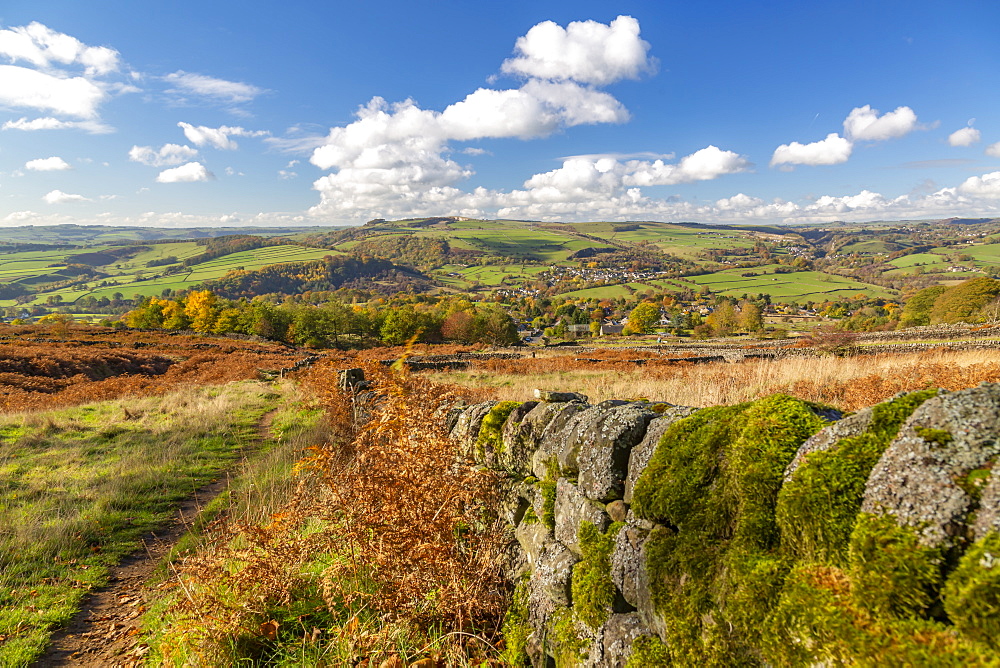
{"x":648,"y":652}
{"x":935,"y":436}
{"x":592,"y":586}
{"x":891,"y":573}
{"x":491,"y":430}
{"x":972,"y":592}
{"x":817,"y":622}
{"x":683,"y":466}
{"x":714,"y":479}
{"x":516,"y":628}
{"x":771,"y":433}
{"x":529,"y":516}
{"x":564,"y":642}
{"x":746,"y":571}
{"x":816,"y":509}
{"x":547,"y":488}
{"x":973,"y":483}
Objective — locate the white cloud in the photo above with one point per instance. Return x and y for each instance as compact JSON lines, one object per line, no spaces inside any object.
{"x":285,"y":175}
{"x":56,"y":74}
{"x":582,"y":177}
{"x":398,"y":155}
{"x":186,"y":173}
{"x":865,"y":124}
{"x":53,"y":164}
{"x":168,"y":154}
{"x":993,"y":150}
{"x":74,"y":96}
{"x":473,"y":150}
{"x":59,"y":197}
{"x":41,"y":46}
{"x":49,"y":123}
{"x":19,"y":216}
{"x":964,"y":137}
{"x":986,"y":186}
{"x":862,"y":124}
{"x":597,"y":184}
{"x":830,"y":151}
{"x":584,"y":51}
{"x":703,"y":165}
{"x":577,"y":105}
{"x":200,"y":135}
{"x":220,"y":90}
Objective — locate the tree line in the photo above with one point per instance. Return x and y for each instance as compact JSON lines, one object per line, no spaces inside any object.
{"x":332,"y":324}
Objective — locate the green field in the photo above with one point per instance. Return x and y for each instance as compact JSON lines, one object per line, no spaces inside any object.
{"x":488,"y":276}
{"x":685,"y":242}
{"x":987,"y":254}
{"x":123,"y":278}
{"x":798,"y":286}
{"x":608,"y":291}
{"x":919,"y":259}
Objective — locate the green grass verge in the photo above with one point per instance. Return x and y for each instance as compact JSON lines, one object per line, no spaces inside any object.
{"x":79,"y":487}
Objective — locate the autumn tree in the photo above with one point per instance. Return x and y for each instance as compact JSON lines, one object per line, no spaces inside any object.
{"x":643,"y":318}
{"x":174,"y":314}
{"x":200,"y":308}
{"x":965,"y":301}
{"x":750,"y":318}
{"x":494,"y":326}
{"x":723,"y":320}
{"x":458,"y":326}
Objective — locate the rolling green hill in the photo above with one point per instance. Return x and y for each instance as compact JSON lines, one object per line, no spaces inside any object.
{"x":61,"y":264}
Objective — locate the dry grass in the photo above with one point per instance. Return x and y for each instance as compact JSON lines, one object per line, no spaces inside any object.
{"x":40,"y":372}
{"x":388,"y":548}
{"x":849,"y":383}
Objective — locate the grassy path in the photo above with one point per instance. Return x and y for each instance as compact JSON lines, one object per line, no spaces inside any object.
{"x":81,"y":488}
{"x":105,"y":632}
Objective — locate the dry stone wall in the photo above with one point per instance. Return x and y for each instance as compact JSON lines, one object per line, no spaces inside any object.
{"x":772,"y":533}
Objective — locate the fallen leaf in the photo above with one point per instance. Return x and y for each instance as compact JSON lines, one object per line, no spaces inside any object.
{"x":392,"y":662}
{"x":269,"y":629}
{"x":425,"y":663}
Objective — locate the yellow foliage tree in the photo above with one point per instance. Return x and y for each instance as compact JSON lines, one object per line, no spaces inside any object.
{"x":200,"y":308}
{"x":173,"y":313}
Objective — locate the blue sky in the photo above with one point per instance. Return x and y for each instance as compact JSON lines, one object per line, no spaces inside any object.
{"x":334,"y":113}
